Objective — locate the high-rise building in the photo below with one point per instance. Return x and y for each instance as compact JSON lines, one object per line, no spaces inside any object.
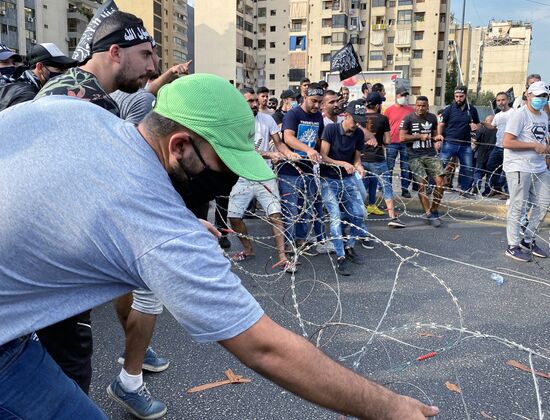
{"x":79,"y":14}
{"x":24,"y":23}
{"x":276,"y":42}
{"x":166,"y":20}
{"x":494,"y":57}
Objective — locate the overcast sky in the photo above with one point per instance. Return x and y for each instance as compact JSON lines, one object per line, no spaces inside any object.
{"x":537,"y":12}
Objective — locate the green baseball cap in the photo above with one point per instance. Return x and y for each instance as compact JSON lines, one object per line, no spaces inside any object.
{"x":212,"y":108}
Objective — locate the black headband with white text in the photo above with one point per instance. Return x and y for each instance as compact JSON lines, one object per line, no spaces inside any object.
{"x":124,"y":38}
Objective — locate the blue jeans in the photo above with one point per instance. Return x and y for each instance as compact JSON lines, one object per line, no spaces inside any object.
{"x":342,"y":194}
{"x":392,"y":150}
{"x":465,"y":157}
{"x":32,"y":386}
{"x":299,"y":201}
{"x":378,"y":173}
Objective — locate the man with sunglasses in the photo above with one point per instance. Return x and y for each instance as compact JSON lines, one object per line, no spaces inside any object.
{"x":525,"y":148}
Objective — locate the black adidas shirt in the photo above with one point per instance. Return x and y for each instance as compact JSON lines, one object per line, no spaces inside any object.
{"x":420,"y":125}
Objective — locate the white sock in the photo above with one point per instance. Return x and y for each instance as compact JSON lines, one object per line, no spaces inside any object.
{"x":129,"y":382}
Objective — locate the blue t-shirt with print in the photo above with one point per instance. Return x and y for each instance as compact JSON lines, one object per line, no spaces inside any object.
{"x":342,"y":147}
{"x":308,"y":129}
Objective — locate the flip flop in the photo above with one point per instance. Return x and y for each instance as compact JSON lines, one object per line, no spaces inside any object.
{"x":241,"y":256}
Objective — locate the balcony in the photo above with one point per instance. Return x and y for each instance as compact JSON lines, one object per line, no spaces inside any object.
{"x":378,"y":27}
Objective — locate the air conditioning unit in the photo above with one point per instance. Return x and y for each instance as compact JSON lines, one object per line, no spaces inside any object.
{"x":2,"y":13}
{"x":29,"y":19}
{"x":33,"y":41}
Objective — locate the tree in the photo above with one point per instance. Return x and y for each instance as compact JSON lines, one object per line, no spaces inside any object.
{"x":451,"y":82}
{"x":483,"y":98}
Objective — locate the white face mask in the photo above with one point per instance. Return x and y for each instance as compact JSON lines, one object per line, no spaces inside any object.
{"x":402,"y":100}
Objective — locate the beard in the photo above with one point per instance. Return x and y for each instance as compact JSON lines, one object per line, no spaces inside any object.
{"x":128,"y":85}
{"x":180,"y":178}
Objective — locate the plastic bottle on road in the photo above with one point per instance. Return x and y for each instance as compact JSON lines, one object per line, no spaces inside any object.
{"x":497,"y":278}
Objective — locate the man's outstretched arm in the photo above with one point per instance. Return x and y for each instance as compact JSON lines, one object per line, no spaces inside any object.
{"x":295,"y":364}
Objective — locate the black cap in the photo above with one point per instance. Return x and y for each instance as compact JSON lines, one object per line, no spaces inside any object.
{"x":374,"y":98}
{"x":357,"y":110}
{"x":50,"y":55}
{"x":402,"y":90}
{"x":289,"y":93}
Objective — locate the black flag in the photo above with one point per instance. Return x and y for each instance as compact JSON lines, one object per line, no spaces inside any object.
{"x":82,"y":51}
{"x":345,"y":62}
{"x":511,"y":99}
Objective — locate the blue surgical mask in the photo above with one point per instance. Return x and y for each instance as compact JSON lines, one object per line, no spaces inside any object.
{"x":539,"y":103}
{"x":293,"y":104}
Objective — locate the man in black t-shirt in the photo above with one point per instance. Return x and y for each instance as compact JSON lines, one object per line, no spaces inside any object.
{"x":288,"y":101}
{"x":341,"y":146}
{"x":374,"y":159}
{"x":418,"y":131}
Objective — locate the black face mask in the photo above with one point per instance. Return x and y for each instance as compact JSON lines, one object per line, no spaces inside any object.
{"x":203,"y":187}
{"x":7,"y":71}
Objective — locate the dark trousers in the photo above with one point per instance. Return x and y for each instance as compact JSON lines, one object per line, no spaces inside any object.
{"x":220,"y":214}
{"x":497,"y":178}
{"x":70,"y":344}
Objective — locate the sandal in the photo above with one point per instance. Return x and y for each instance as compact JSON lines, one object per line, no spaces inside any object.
{"x":241,"y":256}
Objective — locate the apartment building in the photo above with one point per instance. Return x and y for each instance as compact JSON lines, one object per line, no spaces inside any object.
{"x":278,"y":42}
{"x":494,"y":57}
{"x":166,"y":20}
{"x":24,"y":23}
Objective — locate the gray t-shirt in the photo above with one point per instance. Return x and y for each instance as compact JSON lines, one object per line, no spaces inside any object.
{"x":528,"y":128}
{"x":89,"y":213}
{"x":134,"y":106}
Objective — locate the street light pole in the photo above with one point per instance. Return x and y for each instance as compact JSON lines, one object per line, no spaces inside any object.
{"x":462,"y":38}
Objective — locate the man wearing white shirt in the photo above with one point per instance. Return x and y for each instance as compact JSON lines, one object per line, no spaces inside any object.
{"x":266,"y":192}
{"x":525,"y":146}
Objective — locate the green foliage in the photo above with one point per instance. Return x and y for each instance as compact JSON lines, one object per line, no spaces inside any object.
{"x":451,"y":82}
{"x":483,"y":98}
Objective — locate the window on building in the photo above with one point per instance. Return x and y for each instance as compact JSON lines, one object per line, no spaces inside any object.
{"x":326,"y":23}
{"x":272,"y":61}
{"x":297,"y":43}
{"x":261,"y":43}
{"x":378,"y":3}
{"x":157,"y":9}
{"x":239,"y":56}
{"x":363,"y":6}
{"x":271,"y":76}
{"x":327,"y":5}
{"x":272,"y":45}
{"x":296,"y":25}
{"x":404,"y":16}
{"x":261,"y":11}
{"x":248,"y":42}
{"x":326,"y":40}
{"x":419,"y":16}
{"x":240,"y":22}
{"x":441,"y":36}
{"x":440,"y":55}
{"x":354,"y":39}
{"x":376,"y":55}
{"x":295,"y":75}
{"x":339,"y":38}
{"x":179,"y":56}
{"x":261,"y":28}
{"x":389,"y":58}
{"x":442,"y":18}
{"x":273,"y":12}
{"x":248,"y":26}
{"x":354,"y":23}
{"x":361,"y":41}
{"x":416,"y":90}
{"x":416,"y":72}
{"x":437,"y":91}
{"x":391,"y":39}
{"x":355,"y":4}
{"x":391,"y":4}
{"x":418,"y":35}
{"x":325,"y":57}
{"x":405,"y":2}
{"x":272,"y":29}
{"x":339,"y":21}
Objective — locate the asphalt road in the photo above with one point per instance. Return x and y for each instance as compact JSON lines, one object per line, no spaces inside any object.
{"x":425,"y":290}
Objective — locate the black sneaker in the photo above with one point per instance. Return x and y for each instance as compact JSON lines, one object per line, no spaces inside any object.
{"x":354,"y":257}
{"x":517,"y":253}
{"x":533,"y":248}
{"x":367,"y":244}
{"x":396,"y":223}
{"x":406,"y":194}
{"x":342,"y":266}
{"x":224,"y":242}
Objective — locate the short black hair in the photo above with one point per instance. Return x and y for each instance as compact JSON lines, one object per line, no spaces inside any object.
{"x":324,"y":84}
{"x":501,"y":93}
{"x":377,"y":87}
{"x":330,"y":92}
{"x":246,"y":90}
{"x":422,"y":98}
{"x":365,"y":86}
{"x":304,"y":80}
{"x":115,"y":22}
{"x":262,"y":89}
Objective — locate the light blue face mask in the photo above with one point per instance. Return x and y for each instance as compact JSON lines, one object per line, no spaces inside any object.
{"x":539,"y":103}
{"x":293,"y":104}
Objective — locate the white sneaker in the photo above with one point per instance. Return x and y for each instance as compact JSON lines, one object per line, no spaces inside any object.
{"x":326,"y":247}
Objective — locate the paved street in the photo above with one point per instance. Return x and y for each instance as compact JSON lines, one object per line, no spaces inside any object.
{"x":421,"y":277}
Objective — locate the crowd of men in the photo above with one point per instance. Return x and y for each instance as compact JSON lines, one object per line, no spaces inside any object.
{"x":106,"y":196}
